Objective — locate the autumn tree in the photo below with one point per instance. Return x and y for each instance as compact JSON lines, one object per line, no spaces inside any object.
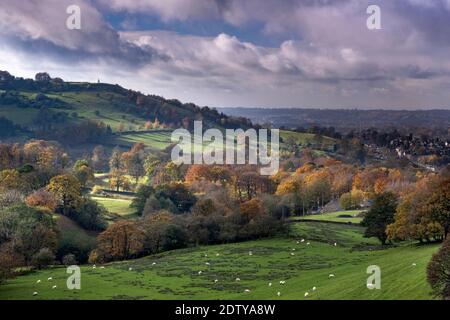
{"x":380,"y":215}
{"x":122,"y":240}
{"x":83,"y":172}
{"x":439,"y":204}
{"x":42,"y":198}
{"x":67,"y":190}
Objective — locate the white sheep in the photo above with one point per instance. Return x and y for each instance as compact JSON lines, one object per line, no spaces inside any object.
{"x":35,"y":293}
{"x":207,"y":263}
{"x":102,"y":267}
{"x":308,"y":243}
{"x":331,"y":275}
{"x":292,"y":254}
{"x":238,"y":279}
{"x":250,"y":253}
{"x":49,"y":279}
{"x":278,"y":293}
{"x":54,"y":287}
{"x":200,"y":272}
{"x":130,"y":269}
{"x":335,"y":244}
{"x":247,"y":290}
{"x":39,"y":281}
{"x":306,"y":294}
{"x":215,"y":281}
{"x":154,"y":264}
{"x":314,"y":289}
{"x":282,"y":282}
{"x":293,"y":249}
{"x":414,"y":264}
{"x":298,"y":242}
{"x":303,"y":240}
{"x":270,"y":284}
{"x":217,"y":254}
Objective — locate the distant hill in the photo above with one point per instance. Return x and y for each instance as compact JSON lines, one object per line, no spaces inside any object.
{"x":49,"y":107}
{"x":345,"y":119}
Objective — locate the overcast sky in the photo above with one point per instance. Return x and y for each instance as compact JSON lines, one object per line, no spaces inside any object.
{"x":271,"y":53}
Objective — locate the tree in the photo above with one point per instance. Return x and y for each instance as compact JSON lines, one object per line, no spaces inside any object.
{"x":440,"y":205}
{"x":122,"y":240}
{"x":99,"y":158}
{"x":42,"y":198}
{"x":438,"y":271}
{"x":380,"y":215}
{"x":83,"y":172}
{"x":142,"y":194}
{"x":67,"y":190}
{"x":115,"y":162}
{"x":43,"y":258}
{"x":251,"y":209}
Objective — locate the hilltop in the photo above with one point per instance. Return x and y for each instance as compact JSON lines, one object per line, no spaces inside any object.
{"x":52,"y":108}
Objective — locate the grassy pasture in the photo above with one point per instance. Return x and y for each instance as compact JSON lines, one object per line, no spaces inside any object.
{"x":334,"y":216}
{"x":175,"y":274}
{"x":116,"y":206}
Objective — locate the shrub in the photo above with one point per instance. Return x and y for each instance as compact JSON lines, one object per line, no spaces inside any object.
{"x":69,"y":260}
{"x":43,"y":258}
{"x":438,"y":272}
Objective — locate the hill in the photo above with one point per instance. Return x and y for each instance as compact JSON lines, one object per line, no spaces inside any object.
{"x":54,"y":109}
{"x":175,"y":274}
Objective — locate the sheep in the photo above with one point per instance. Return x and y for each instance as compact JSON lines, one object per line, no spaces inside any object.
{"x":298,"y":242}
{"x":278,"y":293}
{"x":217,"y":254}
{"x":270,"y":284}
{"x":308,"y":243}
{"x":207,"y":263}
{"x":35,"y":293}
{"x":49,"y":279}
{"x":282,"y":282}
{"x":238,"y":279}
{"x":303,"y":240}
{"x":130,"y":269}
{"x":414,"y":264}
{"x":215,"y":281}
{"x":335,"y":244}
{"x":331,"y":275}
{"x":54,"y":287}
{"x":102,"y":267}
{"x":200,"y":272}
{"x":93,"y":267}
{"x":247,"y":290}
{"x":293,"y":249}
{"x":206,"y":256}
{"x":154,"y":264}
{"x":314,"y":289}
{"x":39,"y":281}
{"x":292,"y":254}
{"x":306,"y":294}
{"x":250,"y":253}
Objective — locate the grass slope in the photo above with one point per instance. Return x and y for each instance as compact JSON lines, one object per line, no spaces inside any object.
{"x":176,"y":274}
{"x":334,"y":217}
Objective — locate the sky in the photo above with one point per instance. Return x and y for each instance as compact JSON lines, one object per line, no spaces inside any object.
{"x":240,"y":53}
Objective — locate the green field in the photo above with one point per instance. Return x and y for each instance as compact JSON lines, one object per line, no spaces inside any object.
{"x":304,"y":139}
{"x":160,"y":139}
{"x":334,"y":217}
{"x":116,"y":206}
{"x":175,"y":275}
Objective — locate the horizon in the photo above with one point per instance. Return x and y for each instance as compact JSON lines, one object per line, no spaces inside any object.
{"x":232,"y":53}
